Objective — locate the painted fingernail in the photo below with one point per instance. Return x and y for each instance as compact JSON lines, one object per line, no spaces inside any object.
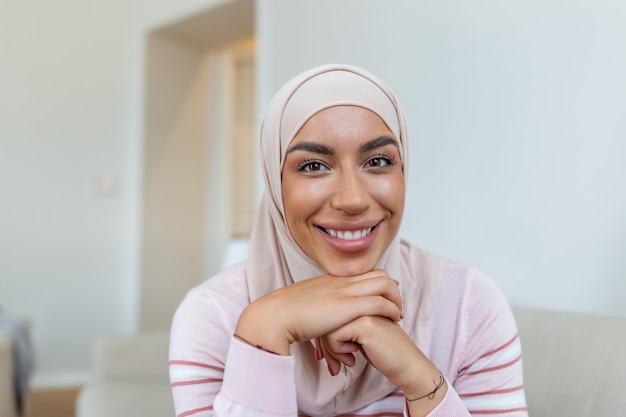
{"x":331,"y":370}
{"x":401,"y":316}
{"x":318,"y":356}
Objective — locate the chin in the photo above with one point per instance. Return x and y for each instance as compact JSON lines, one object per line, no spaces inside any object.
{"x":349,"y":269}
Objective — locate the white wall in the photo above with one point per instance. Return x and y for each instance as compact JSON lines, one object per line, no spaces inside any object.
{"x":71,"y":122}
{"x":516,"y":117}
{"x":65,"y":121}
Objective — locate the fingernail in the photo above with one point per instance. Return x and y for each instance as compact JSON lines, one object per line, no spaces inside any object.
{"x":331,"y":370}
{"x":401,"y":316}
{"x":318,"y":356}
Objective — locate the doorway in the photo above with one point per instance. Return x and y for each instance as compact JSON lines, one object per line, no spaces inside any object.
{"x":199,"y":123}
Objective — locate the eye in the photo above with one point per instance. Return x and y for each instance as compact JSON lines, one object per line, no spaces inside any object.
{"x":312,"y":166}
{"x":379,"y":161}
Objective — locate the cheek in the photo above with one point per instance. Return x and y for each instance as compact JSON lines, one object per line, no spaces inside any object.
{"x":390,"y":193}
{"x":302,"y":198}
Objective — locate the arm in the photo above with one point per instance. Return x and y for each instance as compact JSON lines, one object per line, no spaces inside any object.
{"x":211,"y":373}
{"x":485,"y":373}
{"x":489,"y":376}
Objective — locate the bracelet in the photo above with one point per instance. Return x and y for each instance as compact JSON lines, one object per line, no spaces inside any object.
{"x":254,"y":345}
{"x":431,"y":394}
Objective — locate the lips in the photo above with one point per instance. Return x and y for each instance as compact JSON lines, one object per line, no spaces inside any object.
{"x":349,"y":238}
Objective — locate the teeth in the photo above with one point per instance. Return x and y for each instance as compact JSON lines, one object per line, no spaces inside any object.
{"x":349,"y":235}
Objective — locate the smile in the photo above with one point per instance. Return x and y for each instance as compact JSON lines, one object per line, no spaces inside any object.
{"x":348,"y":234}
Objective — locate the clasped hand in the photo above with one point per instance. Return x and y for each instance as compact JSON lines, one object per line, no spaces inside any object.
{"x":342,"y":315}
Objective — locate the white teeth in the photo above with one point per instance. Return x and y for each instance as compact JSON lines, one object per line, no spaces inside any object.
{"x":349,"y":235}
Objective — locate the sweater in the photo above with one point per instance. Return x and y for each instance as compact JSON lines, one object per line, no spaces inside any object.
{"x":471,"y":336}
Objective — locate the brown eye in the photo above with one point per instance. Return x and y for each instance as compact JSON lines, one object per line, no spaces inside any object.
{"x":379,"y":162}
{"x":312,"y":166}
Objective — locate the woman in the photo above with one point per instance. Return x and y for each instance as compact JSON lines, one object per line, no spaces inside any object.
{"x":332,"y":314}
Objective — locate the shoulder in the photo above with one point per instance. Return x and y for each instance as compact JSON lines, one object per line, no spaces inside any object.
{"x":206,"y":318}
{"x":222,"y":297}
{"x":466,"y":301}
{"x":457,"y":284}
{"x":472,"y":306}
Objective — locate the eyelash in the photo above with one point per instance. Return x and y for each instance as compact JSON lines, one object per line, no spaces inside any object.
{"x":305,"y":165}
{"x":388,"y":159}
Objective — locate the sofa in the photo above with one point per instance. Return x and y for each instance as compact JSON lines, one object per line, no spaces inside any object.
{"x":8,"y":406}
{"x":131,"y":378}
{"x":574,"y":366}
{"x":16,"y":364}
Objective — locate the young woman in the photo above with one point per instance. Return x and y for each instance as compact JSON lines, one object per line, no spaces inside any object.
{"x":332,"y":314}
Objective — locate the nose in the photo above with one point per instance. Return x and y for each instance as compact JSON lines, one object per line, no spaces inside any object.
{"x":351,"y":194}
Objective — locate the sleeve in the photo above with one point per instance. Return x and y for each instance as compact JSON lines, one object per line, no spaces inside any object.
{"x":489,"y":377}
{"x":214,"y":374}
{"x":486,"y":377}
{"x":450,"y":406}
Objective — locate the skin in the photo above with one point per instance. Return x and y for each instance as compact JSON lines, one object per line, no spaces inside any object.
{"x":347,"y":189}
{"x":343,"y":173}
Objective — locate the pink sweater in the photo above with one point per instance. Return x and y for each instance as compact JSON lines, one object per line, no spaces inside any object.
{"x":471,"y":337}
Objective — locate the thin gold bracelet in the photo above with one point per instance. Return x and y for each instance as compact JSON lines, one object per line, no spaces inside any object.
{"x":431,"y":394}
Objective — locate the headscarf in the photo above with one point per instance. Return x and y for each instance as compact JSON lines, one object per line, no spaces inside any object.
{"x":275,"y":260}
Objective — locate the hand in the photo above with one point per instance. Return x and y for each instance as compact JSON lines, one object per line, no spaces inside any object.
{"x":317,"y":306}
{"x":386,"y":346}
{"x":381,"y":341}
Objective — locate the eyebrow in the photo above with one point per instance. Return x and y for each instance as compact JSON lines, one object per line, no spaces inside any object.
{"x":312,"y":147}
{"x":379,"y":142}
{"x":321,"y":149}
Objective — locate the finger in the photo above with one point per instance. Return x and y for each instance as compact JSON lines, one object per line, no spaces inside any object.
{"x":355,"y":334}
{"x":319,"y":353}
{"x":334,"y":365}
{"x":344,"y":352}
{"x":377,"y":283}
{"x":375,"y":305}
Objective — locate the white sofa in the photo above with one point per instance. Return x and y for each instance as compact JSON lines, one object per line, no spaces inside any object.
{"x":574,"y":366}
{"x":131,"y":378}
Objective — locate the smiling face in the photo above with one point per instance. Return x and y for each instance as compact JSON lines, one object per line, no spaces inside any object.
{"x":343,"y":189}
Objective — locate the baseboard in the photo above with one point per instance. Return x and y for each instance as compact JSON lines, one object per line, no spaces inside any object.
{"x":61,"y":378}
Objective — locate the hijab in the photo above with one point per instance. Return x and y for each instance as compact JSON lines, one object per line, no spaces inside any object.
{"x":275,"y":260}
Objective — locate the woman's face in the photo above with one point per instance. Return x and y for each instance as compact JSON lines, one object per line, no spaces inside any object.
{"x":343,"y":189}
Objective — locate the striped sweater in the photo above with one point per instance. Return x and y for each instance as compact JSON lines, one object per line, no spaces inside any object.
{"x":471,"y":337}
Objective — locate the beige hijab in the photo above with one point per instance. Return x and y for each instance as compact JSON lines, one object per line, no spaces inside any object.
{"x":275,"y":260}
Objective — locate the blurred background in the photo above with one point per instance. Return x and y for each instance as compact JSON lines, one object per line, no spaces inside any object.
{"x":128,"y":153}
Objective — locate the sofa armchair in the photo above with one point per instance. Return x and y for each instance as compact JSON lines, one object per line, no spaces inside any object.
{"x":16,"y":364}
{"x":131,"y":378}
{"x":574,"y":366}
{"x":8,"y":407}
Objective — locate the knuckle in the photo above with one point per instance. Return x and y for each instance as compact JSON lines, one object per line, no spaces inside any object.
{"x":368,"y":323}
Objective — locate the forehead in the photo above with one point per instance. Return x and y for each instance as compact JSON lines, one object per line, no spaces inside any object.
{"x":342,"y":122}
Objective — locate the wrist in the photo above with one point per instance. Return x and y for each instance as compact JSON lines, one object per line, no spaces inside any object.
{"x":438,"y":385}
{"x":426,"y":396}
{"x":252,"y":329}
